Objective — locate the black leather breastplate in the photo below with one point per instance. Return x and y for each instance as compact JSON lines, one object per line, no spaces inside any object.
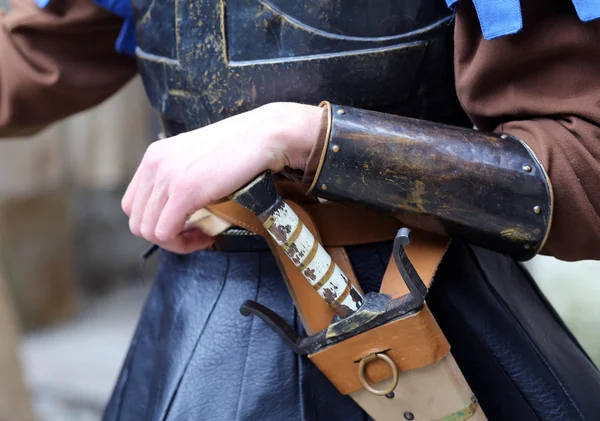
{"x":205,"y":60}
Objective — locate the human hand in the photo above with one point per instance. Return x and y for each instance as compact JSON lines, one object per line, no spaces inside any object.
{"x":183,"y":174}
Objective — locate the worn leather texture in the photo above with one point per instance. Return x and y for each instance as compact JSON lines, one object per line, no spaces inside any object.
{"x":317,"y":314}
{"x":516,"y":353}
{"x":246,"y":53}
{"x":333,"y":221}
{"x":412,"y":342}
{"x":193,"y":357}
{"x":482,"y":188}
{"x":520,"y":360}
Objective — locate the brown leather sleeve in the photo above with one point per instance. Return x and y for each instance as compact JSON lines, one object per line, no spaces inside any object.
{"x":56,"y":62}
{"x":543,"y":86}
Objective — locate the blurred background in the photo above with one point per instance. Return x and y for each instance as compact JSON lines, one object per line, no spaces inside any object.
{"x":70,"y":270}
{"x":72,"y":282}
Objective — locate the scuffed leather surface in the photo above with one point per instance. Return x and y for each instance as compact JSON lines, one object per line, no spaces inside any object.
{"x":520,"y":360}
{"x":193,"y":357}
{"x":425,"y":173}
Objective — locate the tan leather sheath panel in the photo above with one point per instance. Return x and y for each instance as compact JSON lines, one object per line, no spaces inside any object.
{"x":339,"y":225}
{"x":412,"y":342}
{"x":425,"y":251}
{"x":238,"y":215}
{"x":314,"y":312}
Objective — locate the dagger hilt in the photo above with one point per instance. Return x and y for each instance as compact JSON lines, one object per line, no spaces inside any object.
{"x":295,"y":239}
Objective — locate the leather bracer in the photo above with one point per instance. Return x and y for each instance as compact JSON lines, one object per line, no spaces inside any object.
{"x":486,"y":189}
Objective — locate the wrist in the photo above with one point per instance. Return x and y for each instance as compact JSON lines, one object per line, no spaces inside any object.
{"x":294,"y":130}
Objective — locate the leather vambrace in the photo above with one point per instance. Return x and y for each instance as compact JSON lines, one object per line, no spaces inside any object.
{"x":486,"y":189}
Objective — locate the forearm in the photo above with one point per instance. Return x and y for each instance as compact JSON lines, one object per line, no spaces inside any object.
{"x":56,"y":62}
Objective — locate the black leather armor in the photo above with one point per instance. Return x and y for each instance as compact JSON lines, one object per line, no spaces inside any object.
{"x":202,"y":61}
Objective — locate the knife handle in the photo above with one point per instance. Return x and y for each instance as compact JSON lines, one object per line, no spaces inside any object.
{"x":295,"y":239}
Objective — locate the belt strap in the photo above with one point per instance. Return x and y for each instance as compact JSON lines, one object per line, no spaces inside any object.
{"x":339,"y":225}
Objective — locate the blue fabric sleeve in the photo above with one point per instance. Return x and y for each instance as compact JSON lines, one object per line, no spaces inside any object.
{"x":503,"y":17}
{"x":126,"y":42}
{"x":587,"y":10}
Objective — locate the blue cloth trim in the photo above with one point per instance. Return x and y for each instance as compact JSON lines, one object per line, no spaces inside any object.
{"x":587,"y":10}
{"x":118,"y":7}
{"x":498,"y":18}
{"x":126,"y":41}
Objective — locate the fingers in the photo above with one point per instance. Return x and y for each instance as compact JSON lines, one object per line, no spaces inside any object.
{"x":185,"y":173}
{"x":155,"y":204}
{"x":181,"y":204}
{"x":129,"y":196}
{"x":152,"y":211}
{"x":147,"y":195}
{"x":181,"y":239}
{"x":188,"y":242}
{"x":159,"y":209}
{"x":142,"y":196}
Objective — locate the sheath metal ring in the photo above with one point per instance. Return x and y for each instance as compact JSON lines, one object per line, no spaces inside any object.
{"x":363,"y":380}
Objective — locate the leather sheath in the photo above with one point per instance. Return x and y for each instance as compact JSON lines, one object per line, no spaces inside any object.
{"x":412,"y":342}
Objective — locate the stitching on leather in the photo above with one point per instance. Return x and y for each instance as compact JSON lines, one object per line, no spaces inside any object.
{"x":236,"y":220}
{"x":524,"y":333}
